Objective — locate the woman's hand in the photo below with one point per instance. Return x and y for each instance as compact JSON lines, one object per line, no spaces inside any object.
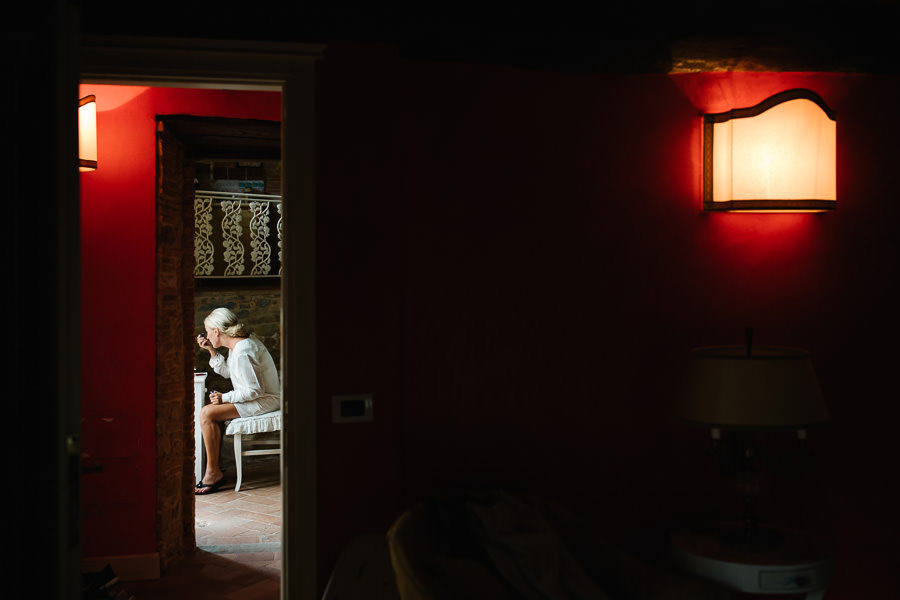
{"x":204,"y":343}
{"x":215,"y":397}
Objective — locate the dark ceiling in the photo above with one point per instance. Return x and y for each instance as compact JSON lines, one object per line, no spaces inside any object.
{"x":629,"y":37}
{"x":216,"y":137}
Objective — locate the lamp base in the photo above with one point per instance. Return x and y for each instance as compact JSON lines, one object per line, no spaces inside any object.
{"x":768,"y":561}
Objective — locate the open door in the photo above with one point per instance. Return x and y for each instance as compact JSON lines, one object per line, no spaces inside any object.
{"x":41,"y":239}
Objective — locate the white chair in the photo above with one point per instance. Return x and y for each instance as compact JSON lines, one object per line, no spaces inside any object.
{"x":264,"y":423}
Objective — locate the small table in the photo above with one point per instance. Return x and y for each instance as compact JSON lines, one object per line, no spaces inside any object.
{"x":787,"y":562}
{"x":199,"y":448}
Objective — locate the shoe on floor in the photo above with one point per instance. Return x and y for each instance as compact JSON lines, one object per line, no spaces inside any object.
{"x":208,"y":488}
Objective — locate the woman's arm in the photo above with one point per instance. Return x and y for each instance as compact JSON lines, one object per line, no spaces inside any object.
{"x":219,"y":365}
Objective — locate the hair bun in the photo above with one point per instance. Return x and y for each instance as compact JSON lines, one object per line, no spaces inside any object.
{"x":238,"y":330}
{"x":227,"y":322}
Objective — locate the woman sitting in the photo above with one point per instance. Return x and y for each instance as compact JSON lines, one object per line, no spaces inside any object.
{"x":257,"y":389}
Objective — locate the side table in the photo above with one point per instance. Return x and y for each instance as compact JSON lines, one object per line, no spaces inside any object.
{"x":775,"y":561}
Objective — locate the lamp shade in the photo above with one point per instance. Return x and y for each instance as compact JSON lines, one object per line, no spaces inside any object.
{"x":779,"y":155}
{"x":771,"y":388}
{"x":87,"y":133}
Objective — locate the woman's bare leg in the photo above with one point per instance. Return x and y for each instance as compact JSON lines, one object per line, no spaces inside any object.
{"x":211,"y":417}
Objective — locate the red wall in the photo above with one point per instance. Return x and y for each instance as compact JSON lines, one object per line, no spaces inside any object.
{"x":118,"y":304}
{"x":514,"y":262}
{"x":517,"y":262}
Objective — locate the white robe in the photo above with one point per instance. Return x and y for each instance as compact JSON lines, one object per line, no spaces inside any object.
{"x":252,"y":371}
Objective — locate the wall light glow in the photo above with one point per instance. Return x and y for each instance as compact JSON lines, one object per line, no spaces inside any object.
{"x":87,"y":134}
{"x":777,"y":156}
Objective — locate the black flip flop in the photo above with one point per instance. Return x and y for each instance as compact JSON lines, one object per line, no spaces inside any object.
{"x":208,"y":488}
{"x":200,"y":483}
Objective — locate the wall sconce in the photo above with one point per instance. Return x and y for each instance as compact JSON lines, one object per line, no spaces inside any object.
{"x":777,"y":156}
{"x":87,"y":134}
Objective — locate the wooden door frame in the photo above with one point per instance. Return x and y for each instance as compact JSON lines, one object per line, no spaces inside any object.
{"x":289,"y":68}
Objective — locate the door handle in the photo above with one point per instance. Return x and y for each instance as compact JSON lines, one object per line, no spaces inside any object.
{"x":89,"y":465}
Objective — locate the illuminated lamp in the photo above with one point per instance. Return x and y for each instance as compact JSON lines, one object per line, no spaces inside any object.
{"x":777,"y":156}
{"x":87,"y":134}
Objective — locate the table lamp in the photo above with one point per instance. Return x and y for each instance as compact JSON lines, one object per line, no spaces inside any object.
{"x":746,"y":388}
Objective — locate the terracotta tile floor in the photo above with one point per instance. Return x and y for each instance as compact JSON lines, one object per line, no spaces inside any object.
{"x":238,"y":541}
{"x":244,"y":526}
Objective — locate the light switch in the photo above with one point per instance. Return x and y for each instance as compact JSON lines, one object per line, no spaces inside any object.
{"x":352,"y":408}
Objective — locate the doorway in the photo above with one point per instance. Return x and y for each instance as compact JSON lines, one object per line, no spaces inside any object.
{"x":229,"y":217}
{"x":138,"y":214}
{"x":220,"y":65}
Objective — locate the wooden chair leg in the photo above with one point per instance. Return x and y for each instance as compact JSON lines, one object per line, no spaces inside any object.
{"x":237,"y":460}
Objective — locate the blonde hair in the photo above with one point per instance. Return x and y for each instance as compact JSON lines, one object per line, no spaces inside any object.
{"x":227,"y":323}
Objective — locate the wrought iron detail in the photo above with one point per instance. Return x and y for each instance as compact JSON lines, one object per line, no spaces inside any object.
{"x":231,"y":238}
{"x":230,"y":242}
{"x":280,"y":238}
{"x":204,"y":251}
{"x":260,"y":251}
